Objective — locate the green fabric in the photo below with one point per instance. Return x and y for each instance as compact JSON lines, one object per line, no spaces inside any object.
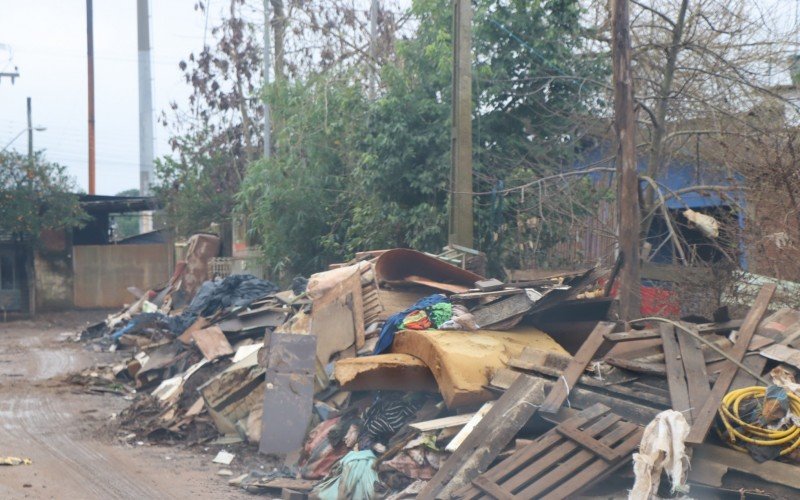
{"x":354,"y":478}
{"x":440,"y":313}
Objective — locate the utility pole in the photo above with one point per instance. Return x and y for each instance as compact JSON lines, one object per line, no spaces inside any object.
{"x":373,"y":49}
{"x":90,"y":67}
{"x":30,"y":140}
{"x":145,"y":98}
{"x":628,"y":217}
{"x":461,"y":225}
{"x":267,"y":65}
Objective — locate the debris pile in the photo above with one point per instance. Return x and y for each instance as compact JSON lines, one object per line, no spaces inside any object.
{"x":403,"y":374}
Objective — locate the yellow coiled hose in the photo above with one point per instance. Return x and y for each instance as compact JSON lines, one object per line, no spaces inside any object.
{"x":739,"y":430}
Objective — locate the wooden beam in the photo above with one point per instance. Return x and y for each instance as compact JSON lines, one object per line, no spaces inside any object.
{"x":629,"y":219}
{"x":461,"y":223}
{"x":709,"y":410}
{"x":576,"y":367}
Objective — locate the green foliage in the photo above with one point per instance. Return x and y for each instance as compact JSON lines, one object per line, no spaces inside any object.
{"x":351,"y":174}
{"x":36,"y":196}
{"x":297,"y":200}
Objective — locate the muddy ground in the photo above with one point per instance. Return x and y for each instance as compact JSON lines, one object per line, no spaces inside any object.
{"x":70,"y":436}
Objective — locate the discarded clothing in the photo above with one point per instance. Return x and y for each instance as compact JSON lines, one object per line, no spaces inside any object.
{"x":354,"y":478}
{"x":394,"y":322}
{"x":384,"y":418}
{"x":236,"y":290}
{"x":326,"y":444}
{"x":417,"y":320}
{"x":440,"y":313}
{"x":662,"y":448}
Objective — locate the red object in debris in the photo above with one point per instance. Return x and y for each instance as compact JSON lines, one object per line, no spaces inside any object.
{"x":656,"y":301}
{"x":659,"y":302}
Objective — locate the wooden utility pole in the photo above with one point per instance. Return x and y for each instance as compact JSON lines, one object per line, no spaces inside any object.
{"x":628,"y":217}
{"x":90,"y":74}
{"x":460,"y":231}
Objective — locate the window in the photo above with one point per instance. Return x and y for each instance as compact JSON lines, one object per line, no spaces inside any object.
{"x":7,"y":272}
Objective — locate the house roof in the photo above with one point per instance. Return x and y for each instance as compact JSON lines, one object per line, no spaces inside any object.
{"x":117,"y":204}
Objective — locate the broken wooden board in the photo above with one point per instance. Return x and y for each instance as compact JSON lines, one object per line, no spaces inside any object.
{"x":781,"y":327}
{"x":289,"y":392}
{"x":783,"y":354}
{"x":199,"y":324}
{"x":501,"y":310}
{"x":212,"y":343}
{"x":710,"y":463}
{"x":469,"y":427}
{"x":442,"y":423}
{"x":676,"y":375}
{"x":705,"y":416}
{"x":587,"y":448}
{"x":638,"y":406}
{"x":390,"y":372}
{"x":463,"y":362}
{"x":557,"y":396}
{"x":489,"y":285}
{"x":506,"y":417}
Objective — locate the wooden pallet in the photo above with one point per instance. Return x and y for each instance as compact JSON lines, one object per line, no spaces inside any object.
{"x":562,"y":462}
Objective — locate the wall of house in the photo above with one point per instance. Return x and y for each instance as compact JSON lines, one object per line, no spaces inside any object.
{"x":103,"y":273}
{"x":53,"y":271}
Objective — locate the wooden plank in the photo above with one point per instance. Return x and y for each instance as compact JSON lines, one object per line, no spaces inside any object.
{"x":546,"y":450}
{"x":508,"y":415}
{"x":676,"y":376}
{"x":442,"y":423}
{"x":594,"y":472}
{"x":724,"y":459}
{"x":583,"y":397}
{"x":575,"y":463}
{"x":648,"y":333}
{"x":694,"y":366}
{"x":501,"y":310}
{"x":541,"y":448}
{"x":705,"y":416}
{"x":467,"y":429}
{"x":489,"y":285}
{"x":570,"y":377}
{"x":587,"y":441}
{"x":719,"y":327}
{"x":492,"y":489}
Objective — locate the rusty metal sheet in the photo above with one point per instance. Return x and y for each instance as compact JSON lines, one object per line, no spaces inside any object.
{"x":289,"y":392}
{"x":411,"y":266}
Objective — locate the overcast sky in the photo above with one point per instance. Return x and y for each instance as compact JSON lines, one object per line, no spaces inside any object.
{"x":48,"y":38}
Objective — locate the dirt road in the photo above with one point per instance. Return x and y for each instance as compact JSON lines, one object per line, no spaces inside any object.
{"x":57,"y":427}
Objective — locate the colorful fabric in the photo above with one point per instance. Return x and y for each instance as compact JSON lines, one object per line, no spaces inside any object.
{"x":395,"y":321}
{"x":416,"y":320}
{"x":440,"y":313}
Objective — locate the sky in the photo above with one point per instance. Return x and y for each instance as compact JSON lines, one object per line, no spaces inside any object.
{"x":48,"y":39}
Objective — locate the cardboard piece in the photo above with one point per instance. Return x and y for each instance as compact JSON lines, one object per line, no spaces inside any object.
{"x":393,"y":372}
{"x":212,"y":343}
